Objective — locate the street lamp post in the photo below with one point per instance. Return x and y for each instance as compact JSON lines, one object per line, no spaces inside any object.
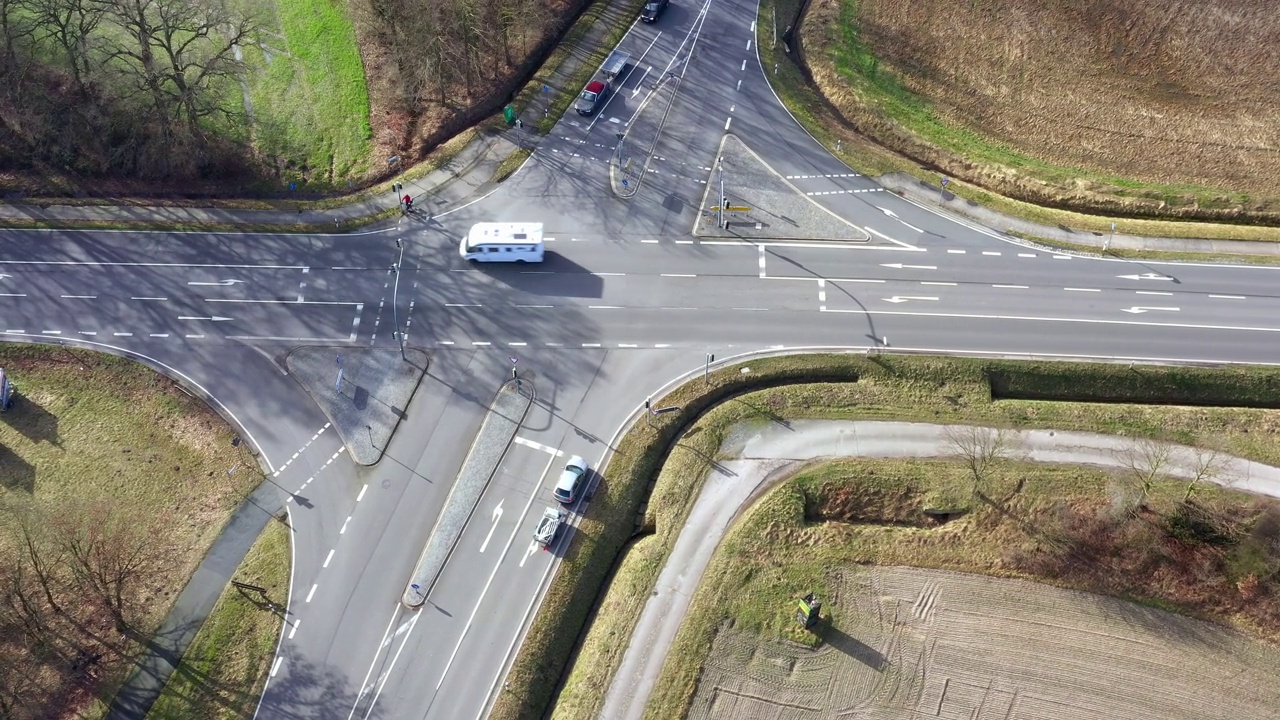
{"x":395,"y":293}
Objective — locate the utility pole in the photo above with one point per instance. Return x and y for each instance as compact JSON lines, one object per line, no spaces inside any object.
{"x":395,"y":293}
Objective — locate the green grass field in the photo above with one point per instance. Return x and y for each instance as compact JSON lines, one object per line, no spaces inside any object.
{"x":310,"y":101}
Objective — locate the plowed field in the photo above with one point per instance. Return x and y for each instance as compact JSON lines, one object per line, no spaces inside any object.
{"x":910,"y":643}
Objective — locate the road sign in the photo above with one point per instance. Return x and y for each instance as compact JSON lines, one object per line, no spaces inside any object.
{"x":513,"y":360}
{"x":624,"y":182}
{"x":509,"y":114}
{"x":945,"y":181}
{"x":339,"y":359}
{"x":546,"y":88}
{"x":738,"y":208}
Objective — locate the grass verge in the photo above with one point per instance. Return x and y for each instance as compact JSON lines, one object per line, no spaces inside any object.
{"x":102,"y":449}
{"x":933,"y":389}
{"x":510,"y":164}
{"x":224,"y":669}
{"x":1145,"y":254}
{"x":1053,"y":524}
{"x":825,"y":124}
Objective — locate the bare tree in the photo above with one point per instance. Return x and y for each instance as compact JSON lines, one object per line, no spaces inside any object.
{"x":71,"y":25}
{"x":981,"y":449}
{"x":1208,"y":468}
{"x":111,"y":552}
{"x":1143,"y":461}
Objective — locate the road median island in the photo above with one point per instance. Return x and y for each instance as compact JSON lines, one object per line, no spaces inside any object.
{"x":761,"y":204}
{"x":638,"y":142}
{"x":506,"y":413}
{"x":680,"y":448}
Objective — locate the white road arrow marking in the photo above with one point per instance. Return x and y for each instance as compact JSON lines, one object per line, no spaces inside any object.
{"x":905,"y":298}
{"x":900,"y":266}
{"x":220,"y":283}
{"x":639,"y":83}
{"x":1145,"y":276}
{"x":3,"y":276}
{"x":533,"y":548}
{"x":214,"y":318}
{"x":888,"y":212}
{"x":1136,"y":310}
{"x":497,"y":515}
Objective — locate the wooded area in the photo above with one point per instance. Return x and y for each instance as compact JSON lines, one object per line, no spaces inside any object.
{"x":153,"y":92}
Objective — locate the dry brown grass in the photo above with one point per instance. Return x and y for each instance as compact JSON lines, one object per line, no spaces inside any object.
{"x":1133,"y":106}
{"x":110,"y":436}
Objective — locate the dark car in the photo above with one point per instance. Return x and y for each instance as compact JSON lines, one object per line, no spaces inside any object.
{"x":592,"y":97}
{"x":652,"y":10}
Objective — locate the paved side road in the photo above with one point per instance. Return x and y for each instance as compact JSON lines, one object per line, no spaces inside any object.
{"x":765,"y":457}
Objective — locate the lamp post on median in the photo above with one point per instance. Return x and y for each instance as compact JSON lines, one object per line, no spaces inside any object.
{"x":395,"y":293}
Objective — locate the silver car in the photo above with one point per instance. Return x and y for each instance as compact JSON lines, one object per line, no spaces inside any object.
{"x":571,"y":480}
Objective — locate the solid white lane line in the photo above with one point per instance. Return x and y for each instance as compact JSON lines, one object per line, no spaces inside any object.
{"x":294,"y":630}
{"x":840,"y":280}
{"x":1081,"y":289}
{"x":649,"y":242}
{"x":517,"y":344}
{"x":663,"y":345}
{"x":1151,"y":292}
{"x":160,"y":335}
{"x":362,"y":491}
{"x":123,"y":334}
{"x":343,"y":531}
{"x":528,"y":307}
{"x":312,"y":592}
{"x":956,"y":252}
{"x":446,"y":342}
{"x":328,"y":558}
{"x":605,"y":307}
{"x":990,"y":252}
{"x":1030,"y":255}
{"x":627,"y":345}
{"x":684,"y":275}
{"x":150,"y":298}
{"x":1228,"y":297}
{"x":481,"y":343}
{"x":604,"y":274}
{"x":80,"y":297}
{"x":1016,"y":287}
{"x":928,"y":282}
{"x":50,"y":332}
{"x":88,"y":332}
{"x":461,"y":305}
{"x":13,"y":294}
{"x":762,"y":261}
{"x":194,"y":337}
{"x":1061,"y":257}
{"x":590,"y":345}
{"x":276,"y":665}
{"x":23,"y":332}
{"x":726,"y":122}
{"x":752,"y":309}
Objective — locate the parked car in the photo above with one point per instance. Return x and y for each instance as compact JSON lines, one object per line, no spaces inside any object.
{"x":592,"y":97}
{"x":571,"y":480}
{"x":652,"y":10}
{"x":548,"y":526}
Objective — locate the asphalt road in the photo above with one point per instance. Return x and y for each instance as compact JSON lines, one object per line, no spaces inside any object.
{"x":627,"y":300}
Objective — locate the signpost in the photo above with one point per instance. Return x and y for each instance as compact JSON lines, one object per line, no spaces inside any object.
{"x":944,"y":185}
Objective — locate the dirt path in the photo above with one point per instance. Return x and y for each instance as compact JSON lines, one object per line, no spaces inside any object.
{"x":765,"y":455}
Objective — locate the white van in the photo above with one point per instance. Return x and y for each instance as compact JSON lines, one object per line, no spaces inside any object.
{"x":503,"y":242}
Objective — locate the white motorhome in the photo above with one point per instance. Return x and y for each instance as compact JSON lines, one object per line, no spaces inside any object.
{"x":503,"y":242}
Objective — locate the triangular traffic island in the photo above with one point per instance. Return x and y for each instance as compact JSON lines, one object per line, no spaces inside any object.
{"x":363,"y":391}
{"x":760,"y":204}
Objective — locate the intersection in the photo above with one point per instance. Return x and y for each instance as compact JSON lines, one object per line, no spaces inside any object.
{"x":627,"y":300}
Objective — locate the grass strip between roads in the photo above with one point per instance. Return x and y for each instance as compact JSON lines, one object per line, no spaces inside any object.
{"x":920,"y":388}
{"x":225,"y":667}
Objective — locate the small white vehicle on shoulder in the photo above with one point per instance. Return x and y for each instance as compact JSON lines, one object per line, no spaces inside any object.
{"x":503,"y":242}
{"x":549,"y":526}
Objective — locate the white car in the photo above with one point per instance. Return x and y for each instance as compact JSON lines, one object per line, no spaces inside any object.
{"x":571,"y":480}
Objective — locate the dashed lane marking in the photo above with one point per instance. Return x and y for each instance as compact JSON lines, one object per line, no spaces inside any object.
{"x":845,"y":192}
